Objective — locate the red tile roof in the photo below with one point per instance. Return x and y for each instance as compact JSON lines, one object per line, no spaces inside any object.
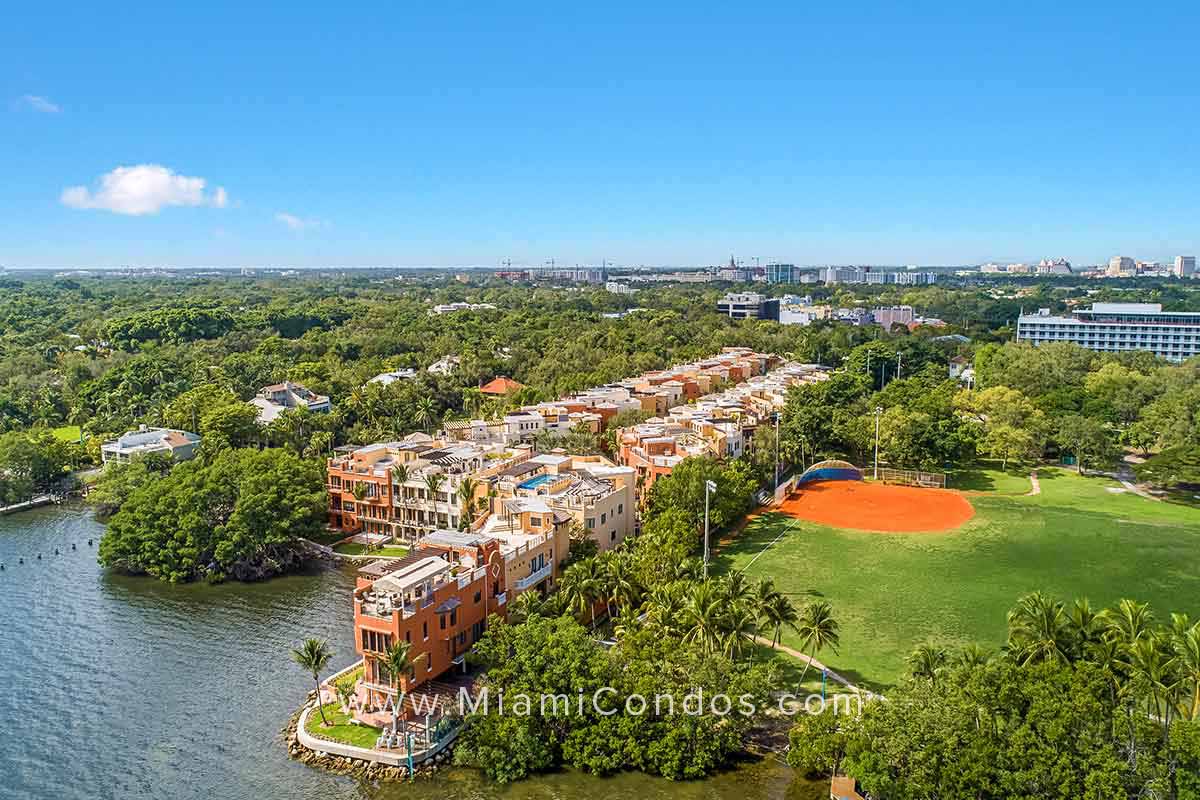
{"x":501,"y":386}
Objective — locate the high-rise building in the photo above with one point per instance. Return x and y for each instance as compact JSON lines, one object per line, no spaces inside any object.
{"x":1121,"y":265}
{"x":1116,"y":327}
{"x":748,"y":305}
{"x":1185,"y":266}
{"x":781,"y":273}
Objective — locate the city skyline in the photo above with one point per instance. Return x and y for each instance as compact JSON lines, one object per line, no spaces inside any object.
{"x":931,"y":136}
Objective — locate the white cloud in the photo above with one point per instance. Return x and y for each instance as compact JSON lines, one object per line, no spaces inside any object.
{"x":297,"y":223}
{"x":39,"y":104}
{"x":143,"y":189}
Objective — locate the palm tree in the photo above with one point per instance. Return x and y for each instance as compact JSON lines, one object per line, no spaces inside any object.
{"x":313,"y":656}
{"x":761,"y":597}
{"x":1129,"y":621}
{"x":527,"y":604}
{"x":433,"y":483}
{"x":1187,"y":649}
{"x":466,"y":496}
{"x":400,"y":477}
{"x":1037,"y":631}
{"x":703,"y":615}
{"x":665,"y":607}
{"x":424,"y":412}
{"x":621,"y":584}
{"x":972,"y":655}
{"x":582,"y":586}
{"x":741,"y":627}
{"x":778,"y":613}
{"x":737,"y":587}
{"x":399,"y":661}
{"x":1083,"y":627}
{"x":818,"y":630}
{"x":927,"y":662}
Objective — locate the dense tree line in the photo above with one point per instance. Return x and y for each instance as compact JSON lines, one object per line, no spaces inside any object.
{"x":1026,"y":404}
{"x":238,"y":513}
{"x":1080,"y":704}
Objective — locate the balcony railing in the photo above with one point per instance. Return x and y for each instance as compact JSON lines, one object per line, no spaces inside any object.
{"x":533,"y":580}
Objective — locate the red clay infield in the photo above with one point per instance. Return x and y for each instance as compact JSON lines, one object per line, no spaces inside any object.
{"x":878,"y":507}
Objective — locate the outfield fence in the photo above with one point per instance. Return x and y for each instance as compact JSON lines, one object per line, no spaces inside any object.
{"x":913,"y":477}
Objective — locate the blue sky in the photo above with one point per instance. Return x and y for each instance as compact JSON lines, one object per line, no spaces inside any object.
{"x":446,"y":133}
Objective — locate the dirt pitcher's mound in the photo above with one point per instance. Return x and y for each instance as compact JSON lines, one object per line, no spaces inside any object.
{"x":878,"y":507}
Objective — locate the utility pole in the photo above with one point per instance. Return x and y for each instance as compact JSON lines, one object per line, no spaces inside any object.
{"x":878,"y":412}
{"x":709,"y":486}
{"x":777,"y":416}
{"x":898,"y":357}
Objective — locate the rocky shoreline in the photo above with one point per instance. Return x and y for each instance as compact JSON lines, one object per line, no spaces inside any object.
{"x":354,"y":767}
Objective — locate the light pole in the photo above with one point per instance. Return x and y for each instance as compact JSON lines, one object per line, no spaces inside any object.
{"x":777,"y":416}
{"x":709,"y":486}
{"x":878,"y":411}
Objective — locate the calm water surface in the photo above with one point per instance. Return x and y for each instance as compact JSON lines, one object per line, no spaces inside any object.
{"x":118,"y":687}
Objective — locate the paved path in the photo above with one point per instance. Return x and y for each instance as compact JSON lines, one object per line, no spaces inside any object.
{"x":817,"y":665}
{"x":1138,"y":490}
{"x":1035,"y":487}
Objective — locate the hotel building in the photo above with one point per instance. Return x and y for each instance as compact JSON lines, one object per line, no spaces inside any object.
{"x":1116,"y":327}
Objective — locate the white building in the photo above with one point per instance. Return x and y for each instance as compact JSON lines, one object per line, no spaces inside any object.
{"x":1114,"y":327}
{"x":274,"y":400}
{"x":450,"y":308}
{"x":1185,"y":266}
{"x":444,"y":365}
{"x":133,"y":444}
{"x":388,"y":378}
{"x":616,"y":287}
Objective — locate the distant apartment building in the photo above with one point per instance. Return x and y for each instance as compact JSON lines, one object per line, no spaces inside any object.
{"x":780,"y":273}
{"x":1116,"y":327}
{"x":1185,"y":266}
{"x":720,"y":424}
{"x":1054,"y":266}
{"x":833,"y":275}
{"x":570,"y":274}
{"x":915,"y":278}
{"x":1120,"y":266}
{"x":181,"y":445}
{"x":274,"y":400}
{"x":748,"y":305}
{"x":616,"y":287}
{"x":450,"y":308}
{"x":892,"y":315}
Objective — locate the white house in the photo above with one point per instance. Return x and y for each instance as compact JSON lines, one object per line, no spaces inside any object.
{"x":133,"y":444}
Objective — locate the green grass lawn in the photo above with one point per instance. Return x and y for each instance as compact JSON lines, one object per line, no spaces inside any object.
{"x":891,"y":592}
{"x":68,"y":433}
{"x":340,"y":729}
{"x":356,"y":549}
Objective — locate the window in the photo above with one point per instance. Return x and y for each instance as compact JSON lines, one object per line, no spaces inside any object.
{"x":453,"y":617}
{"x":591,"y":523}
{"x":612,"y":537}
{"x":478,"y":595}
{"x":442,"y":619}
{"x":425,"y":630}
{"x":603,"y":517}
{"x":620,"y":508}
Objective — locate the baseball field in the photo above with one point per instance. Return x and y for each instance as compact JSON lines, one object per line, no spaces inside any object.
{"x":903,"y":565}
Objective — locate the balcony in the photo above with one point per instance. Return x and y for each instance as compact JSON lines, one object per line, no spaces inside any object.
{"x":533,"y":580}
